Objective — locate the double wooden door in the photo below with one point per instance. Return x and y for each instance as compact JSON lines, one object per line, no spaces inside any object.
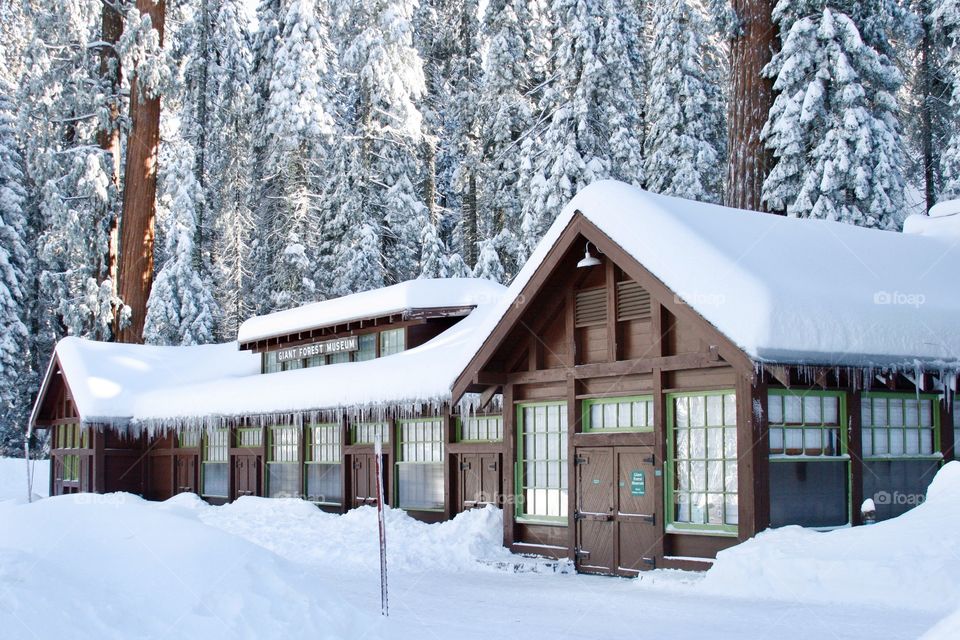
{"x":617,"y":525}
{"x":185,"y":467}
{"x":246,"y":470}
{"x":363,"y":479}
{"x":479,"y":482}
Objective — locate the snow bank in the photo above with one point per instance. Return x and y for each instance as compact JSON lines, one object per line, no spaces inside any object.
{"x":907,"y":562}
{"x":292,"y":528}
{"x":13,"y":479}
{"x":425,"y":293}
{"x":943,"y":222}
{"x":115,"y":566}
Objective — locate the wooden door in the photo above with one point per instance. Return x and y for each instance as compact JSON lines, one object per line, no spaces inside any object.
{"x":618,"y":532}
{"x":246,"y":475}
{"x":639,"y":533}
{"x":479,"y":481}
{"x":363,"y":479}
{"x":186,"y":473}
{"x":595,"y":515}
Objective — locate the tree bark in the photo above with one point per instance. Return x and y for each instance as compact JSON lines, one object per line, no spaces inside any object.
{"x":751,"y":97}
{"x":111,"y":28}
{"x":140,"y":195}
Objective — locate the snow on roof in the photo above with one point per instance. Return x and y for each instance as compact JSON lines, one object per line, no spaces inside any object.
{"x":784,"y":289}
{"x":107,"y":378}
{"x":425,"y":293}
{"x":152,"y":386}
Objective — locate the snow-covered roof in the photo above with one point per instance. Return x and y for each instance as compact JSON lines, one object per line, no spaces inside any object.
{"x":149,"y":386}
{"x":108,"y":379}
{"x":784,"y":289}
{"x":425,"y":293}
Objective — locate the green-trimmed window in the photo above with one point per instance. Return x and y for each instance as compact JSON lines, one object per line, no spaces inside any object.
{"x":283,"y":462}
{"x":214,"y":463}
{"x":368,"y":432}
{"x":481,"y":429}
{"x":188,"y":439}
{"x":392,"y":341}
{"x":250,"y":437}
{"x":291,"y":365}
{"x":900,"y":446}
{"x":542,"y":461}
{"x":702,"y":450}
{"x":618,"y":414}
{"x":270,"y":363}
{"x":71,"y":436}
{"x":420,"y":464}
{"x":367,"y":347}
{"x":956,"y":429}
{"x":316,"y":361}
{"x":324,"y":456}
{"x":809,"y":465}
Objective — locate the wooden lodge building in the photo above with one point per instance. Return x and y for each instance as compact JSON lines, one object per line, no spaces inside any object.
{"x":661,"y":380}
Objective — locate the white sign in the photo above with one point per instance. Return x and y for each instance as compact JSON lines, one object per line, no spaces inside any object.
{"x":337,"y":345}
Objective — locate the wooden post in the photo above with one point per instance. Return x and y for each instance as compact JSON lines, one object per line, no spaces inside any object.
{"x":140,"y":195}
{"x":855,"y":451}
{"x":509,"y":462}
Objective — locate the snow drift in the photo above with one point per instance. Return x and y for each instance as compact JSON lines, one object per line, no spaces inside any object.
{"x":907,"y":562}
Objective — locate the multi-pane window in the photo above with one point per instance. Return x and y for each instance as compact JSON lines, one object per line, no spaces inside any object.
{"x":368,"y":432}
{"x":270,"y":363}
{"x":367,"y":347}
{"x":420,"y":464}
{"x":71,"y":436}
{"x":899,"y":446}
{"x":316,"y":361}
{"x":625,"y":414}
{"x":189,"y":438}
{"x":956,"y":429}
{"x":290,"y":365}
{"x":283,"y":462}
{"x":214,"y":463}
{"x":337,"y":358}
{"x":809,"y":465}
{"x":542,"y":454}
{"x":323,"y":457}
{"x":250,"y":437}
{"x":391,"y":341}
{"x":481,"y":428}
{"x":703,"y":450}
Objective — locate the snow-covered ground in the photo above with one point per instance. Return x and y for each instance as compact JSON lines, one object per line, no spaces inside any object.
{"x":116,"y":566}
{"x":13,"y":478}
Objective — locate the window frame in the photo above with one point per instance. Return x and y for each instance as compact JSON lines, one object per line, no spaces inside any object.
{"x":72,"y":436}
{"x":460,"y":428}
{"x":519,"y":487}
{"x":384,"y":438}
{"x":670,"y":518}
{"x":934,"y":399}
{"x":271,"y":450}
{"x":843,"y":424}
{"x":308,"y":454}
{"x":205,"y":447}
{"x":384,"y":336}
{"x":588,"y":403}
{"x":399,"y":461}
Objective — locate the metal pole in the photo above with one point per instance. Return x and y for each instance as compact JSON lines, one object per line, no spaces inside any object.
{"x":384,"y":609}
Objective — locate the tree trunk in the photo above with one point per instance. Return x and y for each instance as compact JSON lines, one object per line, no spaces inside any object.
{"x":751,"y":96}
{"x":140,"y":195}
{"x":470,"y":218}
{"x":111,"y":28}
{"x":202,"y":121}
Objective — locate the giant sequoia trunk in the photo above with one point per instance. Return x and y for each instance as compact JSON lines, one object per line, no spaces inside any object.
{"x":111,"y":28}
{"x":751,"y":96}
{"x":140,"y":195}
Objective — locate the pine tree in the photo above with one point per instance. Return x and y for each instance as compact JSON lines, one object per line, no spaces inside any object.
{"x":947,"y":17}
{"x":16,"y":376}
{"x":293,"y":70}
{"x":591,"y":108}
{"x":433,"y":261}
{"x":488,"y":263}
{"x":384,"y":78}
{"x":833,"y":128}
{"x":684,"y":146}
{"x":181,"y":309}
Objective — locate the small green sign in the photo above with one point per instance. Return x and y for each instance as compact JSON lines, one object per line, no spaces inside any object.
{"x":638,"y":483}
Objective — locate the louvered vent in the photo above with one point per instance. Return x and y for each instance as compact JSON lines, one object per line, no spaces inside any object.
{"x":633,"y":301}
{"x":591,"y":307}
